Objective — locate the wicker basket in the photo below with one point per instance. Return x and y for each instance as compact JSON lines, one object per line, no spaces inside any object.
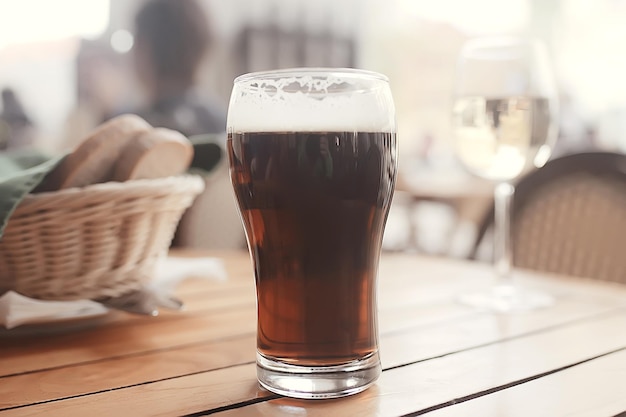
{"x":98,"y":241}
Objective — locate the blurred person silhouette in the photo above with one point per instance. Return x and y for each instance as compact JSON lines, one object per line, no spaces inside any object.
{"x":172,"y":38}
{"x":16,"y":127}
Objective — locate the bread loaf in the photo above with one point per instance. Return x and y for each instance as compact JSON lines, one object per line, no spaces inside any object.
{"x":94,"y":160}
{"x":157,"y":153}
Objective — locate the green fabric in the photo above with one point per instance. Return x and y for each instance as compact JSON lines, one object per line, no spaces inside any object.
{"x":20,"y":173}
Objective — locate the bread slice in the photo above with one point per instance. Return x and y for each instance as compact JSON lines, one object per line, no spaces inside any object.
{"x":157,"y":153}
{"x":94,"y":160}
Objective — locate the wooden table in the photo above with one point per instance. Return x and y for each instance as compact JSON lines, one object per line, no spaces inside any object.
{"x":439,"y":358}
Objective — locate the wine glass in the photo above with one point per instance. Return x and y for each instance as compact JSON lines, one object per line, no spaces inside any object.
{"x":504,"y":122}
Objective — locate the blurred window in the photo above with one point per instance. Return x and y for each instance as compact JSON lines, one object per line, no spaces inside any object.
{"x":27,"y":21}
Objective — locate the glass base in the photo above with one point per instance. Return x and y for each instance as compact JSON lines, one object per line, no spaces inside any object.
{"x":316,"y":382}
{"x":507,"y":299}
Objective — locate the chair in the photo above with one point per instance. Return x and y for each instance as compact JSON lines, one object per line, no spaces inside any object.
{"x":569,"y":217}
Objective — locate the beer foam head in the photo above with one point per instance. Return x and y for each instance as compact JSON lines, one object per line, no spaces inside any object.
{"x":311,"y":100}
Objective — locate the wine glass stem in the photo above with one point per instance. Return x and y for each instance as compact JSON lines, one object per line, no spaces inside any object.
{"x":503,"y":252}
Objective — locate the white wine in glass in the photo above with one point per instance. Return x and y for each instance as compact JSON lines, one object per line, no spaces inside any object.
{"x":504,"y":124}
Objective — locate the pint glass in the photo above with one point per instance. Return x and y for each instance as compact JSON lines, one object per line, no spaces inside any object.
{"x":313,"y":164}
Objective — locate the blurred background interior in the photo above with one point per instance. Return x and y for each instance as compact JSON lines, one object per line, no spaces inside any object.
{"x":68,"y":65}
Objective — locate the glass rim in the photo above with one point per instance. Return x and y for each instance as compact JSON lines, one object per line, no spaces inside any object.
{"x":303,"y":71}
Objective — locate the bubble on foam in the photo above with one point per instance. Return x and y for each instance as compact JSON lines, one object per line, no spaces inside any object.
{"x":311,"y":103}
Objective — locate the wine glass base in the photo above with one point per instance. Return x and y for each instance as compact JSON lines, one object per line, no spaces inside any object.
{"x":507,"y":299}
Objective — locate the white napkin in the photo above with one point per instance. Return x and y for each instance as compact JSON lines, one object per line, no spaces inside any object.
{"x":17,"y":310}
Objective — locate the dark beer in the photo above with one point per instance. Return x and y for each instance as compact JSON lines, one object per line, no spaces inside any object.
{"x":314,"y":206}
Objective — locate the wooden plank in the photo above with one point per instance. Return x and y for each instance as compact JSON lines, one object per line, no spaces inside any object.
{"x":428,"y":339}
{"x":46,"y":345}
{"x":430,"y":384}
{"x":149,"y":336}
{"x":125,"y":372}
{"x":194,"y":288}
{"x":174,"y":397}
{"x":452,"y":327}
{"x":404,"y":347}
{"x":401,"y":280}
{"x":204,"y":299}
{"x":399,"y":391}
{"x":591,"y":389}
{"x":145,"y":335}
{"x":424,"y":301}
{"x":26,"y":354}
{"x":82,"y":375}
